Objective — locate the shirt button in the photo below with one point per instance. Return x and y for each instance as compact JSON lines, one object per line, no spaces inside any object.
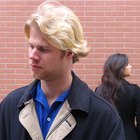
{"x":48,"y":119}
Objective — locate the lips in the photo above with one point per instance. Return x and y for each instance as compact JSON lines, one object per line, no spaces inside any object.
{"x":35,"y":67}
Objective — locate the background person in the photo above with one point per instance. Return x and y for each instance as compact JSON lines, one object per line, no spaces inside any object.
{"x":123,"y":95}
{"x":57,"y":105}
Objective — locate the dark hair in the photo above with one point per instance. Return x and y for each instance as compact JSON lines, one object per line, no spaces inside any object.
{"x":113,"y":76}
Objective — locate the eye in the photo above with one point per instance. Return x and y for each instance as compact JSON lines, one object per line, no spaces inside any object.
{"x":31,"y":46}
{"x":43,"y":50}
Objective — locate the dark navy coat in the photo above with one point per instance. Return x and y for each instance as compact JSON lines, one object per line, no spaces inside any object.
{"x":95,"y":118}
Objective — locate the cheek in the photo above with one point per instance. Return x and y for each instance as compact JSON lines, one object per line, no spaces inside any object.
{"x":125,"y":72}
{"x":30,"y":52}
{"x":128,"y":72}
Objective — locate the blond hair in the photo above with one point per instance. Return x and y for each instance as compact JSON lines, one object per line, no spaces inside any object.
{"x":60,"y":26}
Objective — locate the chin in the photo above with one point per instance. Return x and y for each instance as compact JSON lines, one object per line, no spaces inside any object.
{"x":128,"y":75}
{"x":35,"y":76}
{"x":38,"y":77}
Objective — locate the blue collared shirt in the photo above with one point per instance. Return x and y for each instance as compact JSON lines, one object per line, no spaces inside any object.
{"x":45,"y":113}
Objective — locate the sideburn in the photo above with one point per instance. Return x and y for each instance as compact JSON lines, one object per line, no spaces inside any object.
{"x":63,"y":53}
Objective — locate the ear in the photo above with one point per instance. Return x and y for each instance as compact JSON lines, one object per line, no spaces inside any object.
{"x":69,"y":53}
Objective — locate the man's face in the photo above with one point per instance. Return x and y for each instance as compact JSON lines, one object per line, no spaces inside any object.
{"x":46,"y":62}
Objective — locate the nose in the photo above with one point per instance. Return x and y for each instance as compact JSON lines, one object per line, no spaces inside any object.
{"x":33,"y":53}
{"x":130,"y":66}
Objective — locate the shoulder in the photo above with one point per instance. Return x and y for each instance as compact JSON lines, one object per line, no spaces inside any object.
{"x":103,"y":111}
{"x":98,"y":102}
{"x":103,"y":107}
{"x":10,"y":103}
{"x":129,"y":84}
{"x":14,"y":97}
{"x":132,"y":91}
{"x":130,"y":87}
{"x":137,"y":92}
{"x":82,"y":95}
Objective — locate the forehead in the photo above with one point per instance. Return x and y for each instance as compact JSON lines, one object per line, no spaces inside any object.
{"x":36,"y":37}
{"x":37,"y":40}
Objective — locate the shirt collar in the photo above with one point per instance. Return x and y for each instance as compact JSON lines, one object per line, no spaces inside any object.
{"x":40,"y":96}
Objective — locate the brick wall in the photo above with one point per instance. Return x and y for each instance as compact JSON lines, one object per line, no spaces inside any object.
{"x":110,"y":26}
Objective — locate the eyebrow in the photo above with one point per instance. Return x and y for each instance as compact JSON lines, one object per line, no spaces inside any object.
{"x":38,"y":46}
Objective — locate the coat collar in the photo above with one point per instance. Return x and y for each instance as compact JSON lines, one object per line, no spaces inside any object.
{"x":79,"y":97}
{"x":27,"y":93}
{"x":62,"y":125}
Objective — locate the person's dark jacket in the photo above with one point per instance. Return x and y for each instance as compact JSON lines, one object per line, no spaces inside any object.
{"x":128,"y":105}
{"x":89,"y":116}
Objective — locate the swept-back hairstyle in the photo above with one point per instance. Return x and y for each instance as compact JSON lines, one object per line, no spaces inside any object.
{"x":60,"y":27}
{"x":113,"y":76}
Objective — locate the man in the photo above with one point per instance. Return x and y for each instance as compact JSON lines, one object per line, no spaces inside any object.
{"x":57,"y":105}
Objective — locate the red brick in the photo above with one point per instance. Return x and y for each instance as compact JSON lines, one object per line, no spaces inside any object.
{"x":110,"y":26}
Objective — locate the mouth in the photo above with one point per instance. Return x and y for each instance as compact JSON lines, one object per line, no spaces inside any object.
{"x":35,"y":67}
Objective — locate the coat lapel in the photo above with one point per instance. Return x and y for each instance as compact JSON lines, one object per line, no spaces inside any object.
{"x":63,"y":124}
{"x":28,"y":119}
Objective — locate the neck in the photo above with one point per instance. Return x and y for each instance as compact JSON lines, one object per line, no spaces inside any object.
{"x":53,"y":89}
